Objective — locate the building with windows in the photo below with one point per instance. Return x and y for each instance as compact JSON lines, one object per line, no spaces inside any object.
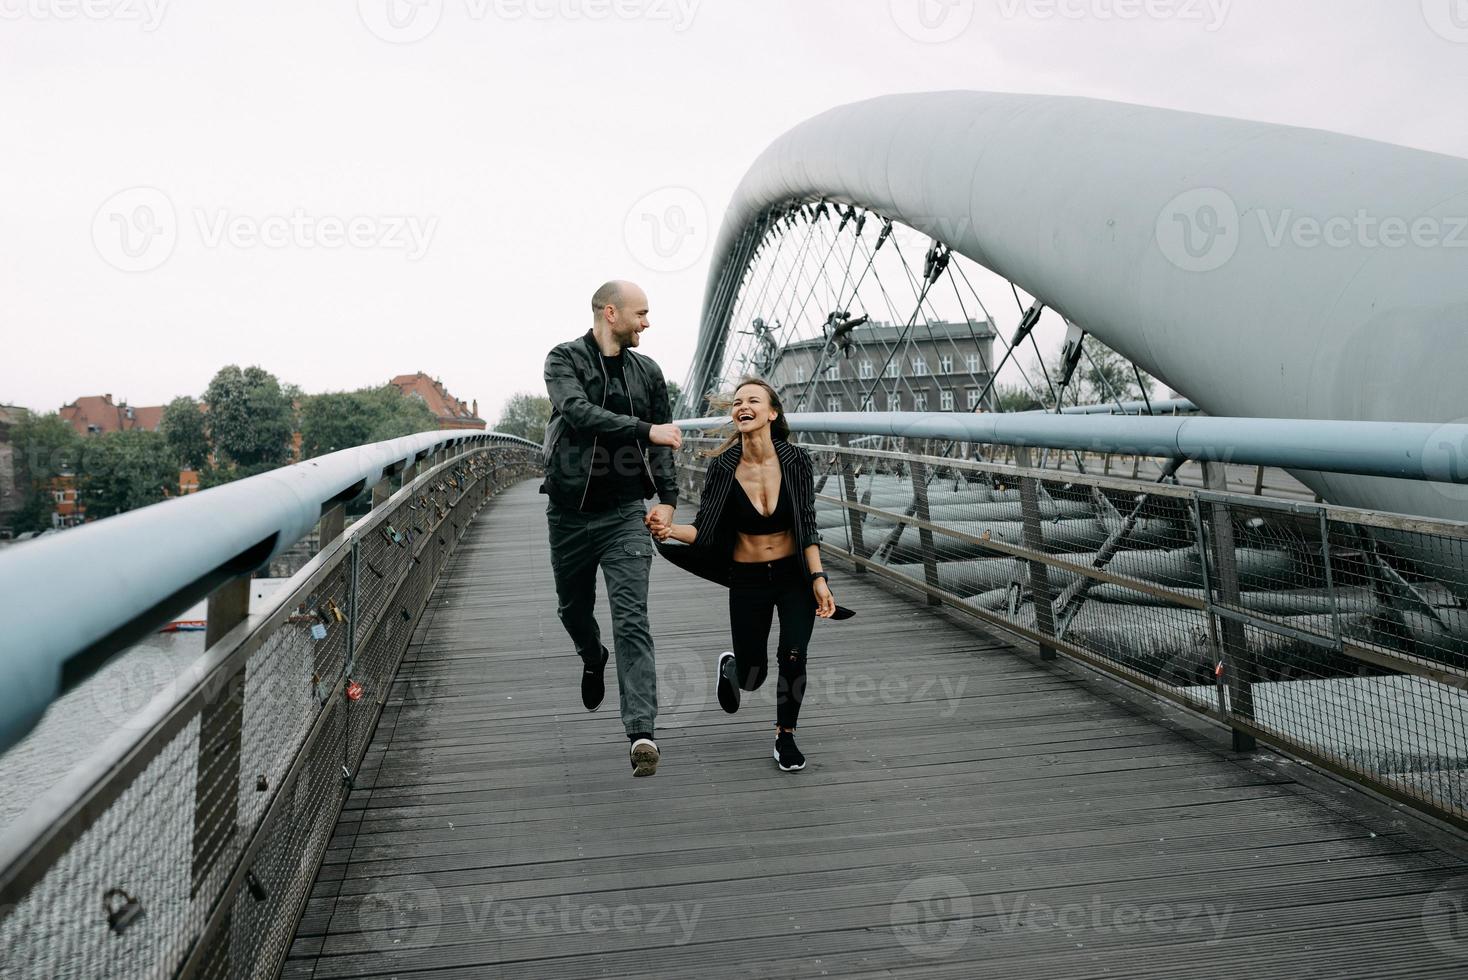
{"x":931,"y":367}
{"x":450,"y":411}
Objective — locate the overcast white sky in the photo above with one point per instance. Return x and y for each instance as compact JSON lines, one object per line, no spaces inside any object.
{"x":493,"y":162}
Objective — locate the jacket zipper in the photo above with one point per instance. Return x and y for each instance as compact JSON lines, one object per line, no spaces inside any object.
{"x":605,"y":384}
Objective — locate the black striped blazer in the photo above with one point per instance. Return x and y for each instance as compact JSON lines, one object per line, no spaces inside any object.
{"x":797,"y":476}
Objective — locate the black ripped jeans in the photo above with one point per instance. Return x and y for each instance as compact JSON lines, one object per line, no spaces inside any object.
{"x":756,"y":590}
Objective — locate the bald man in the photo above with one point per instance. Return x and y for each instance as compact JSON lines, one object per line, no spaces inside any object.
{"x":609,"y":447}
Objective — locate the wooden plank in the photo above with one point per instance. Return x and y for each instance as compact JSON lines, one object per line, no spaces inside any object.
{"x":939,"y":756}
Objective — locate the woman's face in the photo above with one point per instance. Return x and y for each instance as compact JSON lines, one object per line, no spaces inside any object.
{"x":751,"y":410}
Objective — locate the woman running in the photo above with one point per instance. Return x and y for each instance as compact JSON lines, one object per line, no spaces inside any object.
{"x":757,"y":516}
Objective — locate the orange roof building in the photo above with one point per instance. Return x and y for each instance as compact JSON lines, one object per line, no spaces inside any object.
{"x":98,"y":414}
{"x":450,"y":411}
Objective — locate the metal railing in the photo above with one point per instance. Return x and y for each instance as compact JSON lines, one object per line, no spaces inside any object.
{"x":190,"y":849}
{"x":1337,"y":635}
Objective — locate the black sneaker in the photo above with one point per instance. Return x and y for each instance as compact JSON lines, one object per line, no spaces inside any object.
{"x":644,"y":757}
{"x":786,"y":754}
{"x":593,"y":684}
{"x":728,"y":690}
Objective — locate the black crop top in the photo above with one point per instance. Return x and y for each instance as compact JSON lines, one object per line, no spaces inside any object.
{"x":747,"y":520}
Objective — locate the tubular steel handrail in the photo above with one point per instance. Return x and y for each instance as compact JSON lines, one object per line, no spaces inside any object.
{"x":139,"y":568}
{"x":1404,"y":450}
{"x":206,"y":817}
{"x":1335,"y":634}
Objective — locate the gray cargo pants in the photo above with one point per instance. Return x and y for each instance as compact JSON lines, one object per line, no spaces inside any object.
{"x":619,"y":542}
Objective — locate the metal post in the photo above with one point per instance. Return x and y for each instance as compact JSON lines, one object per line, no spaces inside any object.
{"x":331,"y":526}
{"x":1238,"y":661}
{"x":1259,"y":482}
{"x":1040,"y":595}
{"x":925,"y":536}
{"x":381,"y":493}
{"x":853,"y":517}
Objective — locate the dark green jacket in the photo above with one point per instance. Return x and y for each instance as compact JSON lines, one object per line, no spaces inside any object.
{"x":577,"y":385}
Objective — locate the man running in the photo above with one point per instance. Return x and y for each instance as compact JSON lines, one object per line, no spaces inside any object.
{"x":608,"y":447}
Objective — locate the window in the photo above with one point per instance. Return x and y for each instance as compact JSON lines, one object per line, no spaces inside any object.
{"x":973,"y":399}
{"x":894,"y":402}
{"x":973,"y":364}
{"x":833,"y":373}
{"x":919,"y":366}
{"x":866,"y":372}
{"x":833,"y":404}
{"x":868,"y":404}
{"x":920,"y":401}
{"x":891,"y":371}
{"x":800,"y":374}
{"x":945,"y":399}
{"x":945,"y":364}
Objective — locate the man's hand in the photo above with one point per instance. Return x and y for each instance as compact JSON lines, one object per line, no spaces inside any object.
{"x":667,"y":434}
{"x":659,"y":519}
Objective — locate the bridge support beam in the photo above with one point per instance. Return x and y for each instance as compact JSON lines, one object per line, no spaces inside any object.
{"x":1238,"y":661}
{"x":1040,"y":591}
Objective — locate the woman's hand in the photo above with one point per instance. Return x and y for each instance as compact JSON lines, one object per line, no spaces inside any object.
{"x":825,"y":603}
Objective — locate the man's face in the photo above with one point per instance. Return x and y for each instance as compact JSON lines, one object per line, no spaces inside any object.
{"x":628,"y":322}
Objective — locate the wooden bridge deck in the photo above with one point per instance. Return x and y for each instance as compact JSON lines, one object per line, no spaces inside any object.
{"x":968,"y":812}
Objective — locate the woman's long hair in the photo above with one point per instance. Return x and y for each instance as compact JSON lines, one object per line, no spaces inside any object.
{"x":779,"y":429}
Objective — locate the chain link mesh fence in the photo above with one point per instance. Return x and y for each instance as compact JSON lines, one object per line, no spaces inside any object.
{"x":1338,"y":635}
{"x":195,"y":856}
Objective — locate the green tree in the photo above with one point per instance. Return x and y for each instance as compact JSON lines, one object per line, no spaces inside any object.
{"x":122,"y":471}
{"x":250,"y":418}
{"x":184,"y":428}
{"x":675,"y":394}
{"x":343,"y":419}
{"x":45,"y":447}
{"x":1016,"y":398}
{"x":526,"y":415}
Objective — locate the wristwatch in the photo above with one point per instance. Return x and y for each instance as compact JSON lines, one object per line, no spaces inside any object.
{"x":816,"y":575}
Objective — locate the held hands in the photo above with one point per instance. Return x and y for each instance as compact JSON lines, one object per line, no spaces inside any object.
{"x":659,"y":521}
{"x":825,"y":602}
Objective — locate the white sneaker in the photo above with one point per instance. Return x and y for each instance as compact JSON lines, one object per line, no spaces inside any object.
{"x":644,"y":757}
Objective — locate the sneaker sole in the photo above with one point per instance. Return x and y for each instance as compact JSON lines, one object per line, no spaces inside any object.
{"x":645,"y":760}
{"x":732,"y":696}
{"x":784,"y":768}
